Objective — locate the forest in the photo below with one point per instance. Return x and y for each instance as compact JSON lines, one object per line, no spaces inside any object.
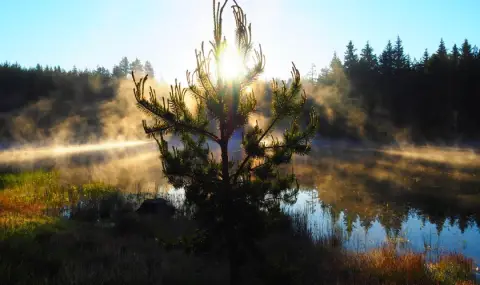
{"x":434,"y":97}
{"x":385,"y":97}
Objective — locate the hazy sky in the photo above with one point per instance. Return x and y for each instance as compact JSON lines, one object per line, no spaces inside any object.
{"x":87,"y":33}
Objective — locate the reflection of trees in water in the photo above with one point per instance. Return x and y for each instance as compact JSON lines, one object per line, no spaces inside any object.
{"x":389,"y":187}
{"x":364,"y":185}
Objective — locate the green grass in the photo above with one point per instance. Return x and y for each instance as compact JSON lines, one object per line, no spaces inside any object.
{"x":35,"y":199}
{"x":38,"y":246}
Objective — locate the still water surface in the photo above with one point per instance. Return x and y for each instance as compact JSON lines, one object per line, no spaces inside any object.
{"x":423,"y":198}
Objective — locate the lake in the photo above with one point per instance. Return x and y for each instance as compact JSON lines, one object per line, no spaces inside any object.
{"x":422,"y":198}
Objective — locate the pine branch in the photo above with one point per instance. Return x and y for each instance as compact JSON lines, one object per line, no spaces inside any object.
{"x":157,"y":128}
{"x":242,"y":165}
{"x":202,"y":75}
{"x":258,"y":68}
{"x":163,"y":112}
{"x":286,"y":96}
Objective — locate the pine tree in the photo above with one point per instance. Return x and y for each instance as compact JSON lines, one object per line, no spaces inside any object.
{"x":467,"y":54}
{"x":336,"y":76}
{"x":426,"y":57}
{"x":424,"y":62}
{"x":442,"y":51}
{"x":335,"y":62}
{"x":400,"y":60}
{"x":117,"y":72}
{"x":455,"y":56}
{"x":102,"y":72}
{"x":475,"y":52}
{"x":74,"y":71}
{"x":368,"y":76}
{"x":239,"y":194}
{"x":123,"y":67}
{"x":367,"y":58}
{"x":136,"y":66}
{"x":351,"y":58}
{"x":149,"y":69}
{"x":386,"y":59}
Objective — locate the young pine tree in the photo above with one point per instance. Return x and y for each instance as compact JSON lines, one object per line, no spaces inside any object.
{"x":231,"y":197}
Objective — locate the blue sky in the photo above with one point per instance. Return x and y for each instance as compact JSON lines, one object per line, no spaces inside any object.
{"x":87,"y":33}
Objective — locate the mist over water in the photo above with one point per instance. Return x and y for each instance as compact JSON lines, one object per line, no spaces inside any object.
{"x":29,"y":154}
{"x":423,"y":196}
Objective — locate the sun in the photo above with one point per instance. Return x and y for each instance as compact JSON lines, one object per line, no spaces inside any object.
{"x":231,"y":64}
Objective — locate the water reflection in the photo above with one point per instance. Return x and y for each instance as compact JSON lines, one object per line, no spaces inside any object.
{"x":423,"y":198}
{"x":415,"y":232}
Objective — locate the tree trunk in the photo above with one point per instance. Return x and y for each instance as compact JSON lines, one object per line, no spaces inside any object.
{"x":229,"y":229}
{"x":225,"y":174}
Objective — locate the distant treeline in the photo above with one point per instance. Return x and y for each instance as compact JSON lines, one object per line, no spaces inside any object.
{"x":20,"y":85}
{"x":36,"y":102}
{"x":382,"y":97}
{"x":434,"y":98}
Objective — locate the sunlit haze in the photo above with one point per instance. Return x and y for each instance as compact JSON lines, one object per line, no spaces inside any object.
{"x":231,"y":63}
{"x":32,"y":153}
{"x":88,"y":33}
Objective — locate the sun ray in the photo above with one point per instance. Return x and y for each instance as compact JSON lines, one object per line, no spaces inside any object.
{"x":231,"y":64}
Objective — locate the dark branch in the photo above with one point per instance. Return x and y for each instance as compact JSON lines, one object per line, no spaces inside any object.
{"x":242,"y":165}
{"x":178,"y":124}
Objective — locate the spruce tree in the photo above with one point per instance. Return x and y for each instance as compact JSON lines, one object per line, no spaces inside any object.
{"x":467,"y":54}
{"x":368,"y":77}
{"x":442,"y":51}
{"x":400,"y":60}
{"x":351,"y":58}
{"x":368,"y":59}
{"x":455,"y":56}
{"x":386,"y":59}
{"x":231,"y":198}
{"x":424,"y":63}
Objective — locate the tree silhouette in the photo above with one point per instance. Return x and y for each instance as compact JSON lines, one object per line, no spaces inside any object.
{"x":442,"y":50}
{"x":149,"y":69}
{"x":117,"y":72}
{"x":136,"y":66}
{"x":386,"y":59}
{"x":368,"y":58}
{"x":236,"y":194}
{"x":351,"y":58}
{"x":122,"y":69}
{"x":400,"y":60}
{"x":455,"y":56}
{"x":367,"y":78}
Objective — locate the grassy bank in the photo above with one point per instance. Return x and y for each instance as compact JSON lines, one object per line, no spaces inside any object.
{"x":55,"y":233}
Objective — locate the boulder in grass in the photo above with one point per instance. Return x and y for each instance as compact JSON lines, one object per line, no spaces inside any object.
{"x":157,"y":206}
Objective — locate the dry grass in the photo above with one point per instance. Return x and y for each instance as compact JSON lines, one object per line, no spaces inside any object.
{"x":386,"y":266}
{"x":35,"y":199}
{"x":39,"y":247}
